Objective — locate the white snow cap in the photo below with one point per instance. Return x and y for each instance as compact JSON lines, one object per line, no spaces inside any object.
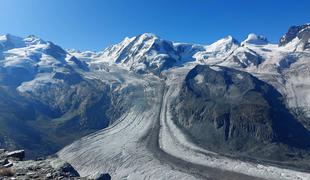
{"x":255,"y":39}
{"x":148,"y":35}
{"x":33,"y":40}
{"x":223,"y":45}
{"x":11,"y":41}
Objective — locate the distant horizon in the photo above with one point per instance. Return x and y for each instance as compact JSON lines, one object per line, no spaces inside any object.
{"x":73,"y":48}
{"x":97,"y":25}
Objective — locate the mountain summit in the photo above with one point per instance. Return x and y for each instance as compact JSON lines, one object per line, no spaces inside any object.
{"x":255,"y":39}
{"x":299,"y":36}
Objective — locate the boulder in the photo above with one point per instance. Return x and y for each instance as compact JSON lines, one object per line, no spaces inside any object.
{"x":68,"y":170}
{"x":19,"y":154}
{"x":4,"y":162}
{"x":2,"y":151}
{"x":9,"y":164}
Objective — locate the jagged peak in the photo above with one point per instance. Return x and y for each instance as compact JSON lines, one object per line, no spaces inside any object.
{"x":292,"y":33}
{"x":72,"y":50}
{"x":141,"y":38}
{"x":148,"y":35}
{"x":9,"y":41}
{"x":255,"y":39}
{"x":228,"y":40}
{"x":9,"y":36}
{"x":223,"y":45}
{"x":33,"y":40}
{"x":147,"y":38}
{"x":229,"y":37}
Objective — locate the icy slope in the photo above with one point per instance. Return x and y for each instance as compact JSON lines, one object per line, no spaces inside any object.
{"x":25,"y":59}
{"x":47,"y":101}
{"x":148,"y":53}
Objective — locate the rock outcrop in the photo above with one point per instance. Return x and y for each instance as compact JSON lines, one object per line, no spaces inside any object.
{"x":12,"y":166}
{"x":230,"y":111}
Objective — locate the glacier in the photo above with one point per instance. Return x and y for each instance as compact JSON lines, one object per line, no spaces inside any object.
{"x":145,"y":143}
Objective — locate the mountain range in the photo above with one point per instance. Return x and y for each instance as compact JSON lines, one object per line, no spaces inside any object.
{"x":149,"y":108}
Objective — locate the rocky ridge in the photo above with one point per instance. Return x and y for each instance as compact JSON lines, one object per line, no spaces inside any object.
{"x":14,"y":167}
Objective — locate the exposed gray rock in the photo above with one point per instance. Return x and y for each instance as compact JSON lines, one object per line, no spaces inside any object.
{"x":39,"y":169}
{"x":302,"y":32}
{"x":7,"y":165}
{"x":233,"y":112}
{"x":68,"y":170}
{"x":4,"y":161}
{"x":19,"y":154}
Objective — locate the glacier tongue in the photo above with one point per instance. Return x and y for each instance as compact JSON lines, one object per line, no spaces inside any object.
{"x":121,"y":149}
{"x":146,"y":144}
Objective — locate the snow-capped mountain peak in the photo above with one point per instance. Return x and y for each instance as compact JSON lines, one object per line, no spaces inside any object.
{"x":31,"y":58}
{"x":33,"y":40}
{"x":297,"y":36}
{"x":9,"y":41}
{"x":218,"y":50}
{"x":255,"y":40}
{"x":145,"y":52}
{"x":223,"y":45}
{"x":148,"y":36}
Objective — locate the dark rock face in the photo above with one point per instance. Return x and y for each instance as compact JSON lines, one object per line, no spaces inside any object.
{"x":302,"y":32}
{"x":252,"y":59}
{"x":70,"y":78}
{"x":44,"y":120}
{"x":104,"y":177}
{"x":304,"y":36}
{"x":67,"y":169}
{"x":233,"y":112}
{"x":4,"y":161}
{"x":80,"y":64}
{"x":55,"y":51}
{"x":14,"y":76}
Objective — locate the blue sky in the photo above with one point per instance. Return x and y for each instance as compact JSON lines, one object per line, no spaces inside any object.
{"x":96,"y":24}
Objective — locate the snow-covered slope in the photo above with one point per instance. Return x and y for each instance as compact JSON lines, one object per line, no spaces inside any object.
{"x":149,"y":53}
{"x":218,"y":51}
{"x":255,"y":39}
{"x":32,"y":58}
{"x":43,"y":89}
{"x":144,"y":53}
